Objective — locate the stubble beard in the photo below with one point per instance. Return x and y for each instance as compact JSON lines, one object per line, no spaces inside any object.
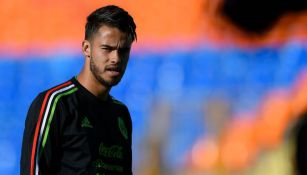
{"x":96,"y":72}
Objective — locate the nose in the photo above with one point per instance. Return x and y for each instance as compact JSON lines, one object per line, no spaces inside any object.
{"x":114,"y":57}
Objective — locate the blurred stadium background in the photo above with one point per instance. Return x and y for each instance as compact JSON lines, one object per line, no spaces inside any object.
{"x":213,"y":86}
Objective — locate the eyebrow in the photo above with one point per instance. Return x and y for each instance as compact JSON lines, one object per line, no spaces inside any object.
{"x":113,"y":47}
{"x":108,"y":46}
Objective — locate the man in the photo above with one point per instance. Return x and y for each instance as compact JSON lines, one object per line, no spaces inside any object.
{"x":77,"y":127}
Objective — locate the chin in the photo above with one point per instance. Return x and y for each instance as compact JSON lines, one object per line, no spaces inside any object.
{"x":114,"y":83}
{"x":110,"y":83}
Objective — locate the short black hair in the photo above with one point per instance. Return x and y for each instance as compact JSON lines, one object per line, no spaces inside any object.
{"x":112,"y":16}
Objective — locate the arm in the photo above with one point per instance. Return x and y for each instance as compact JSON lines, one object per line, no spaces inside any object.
{"x":28,"y":135}
{"x":39,"y":137}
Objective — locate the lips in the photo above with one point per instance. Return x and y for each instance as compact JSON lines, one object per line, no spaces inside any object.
{"x":113,"y":70}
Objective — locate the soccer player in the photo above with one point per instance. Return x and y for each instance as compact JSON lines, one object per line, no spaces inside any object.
{"x":77,"y":127}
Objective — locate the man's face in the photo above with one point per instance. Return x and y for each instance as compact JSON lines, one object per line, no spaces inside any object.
{"x":108,"y":52}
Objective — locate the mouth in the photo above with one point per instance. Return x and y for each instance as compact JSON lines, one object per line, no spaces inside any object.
{"x":113,"y":70}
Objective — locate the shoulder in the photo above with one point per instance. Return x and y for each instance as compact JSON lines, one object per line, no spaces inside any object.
{"x":118,"y":103}
{"x":47,"y":101}
{"x":65,"y":87}
{"x":54,"y":93}
{"x":123,"y":111}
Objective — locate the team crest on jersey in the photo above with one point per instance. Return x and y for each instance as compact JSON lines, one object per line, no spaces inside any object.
{"x":122,"y":128}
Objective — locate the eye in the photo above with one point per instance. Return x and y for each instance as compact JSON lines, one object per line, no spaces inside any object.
{"x":107,"y":49}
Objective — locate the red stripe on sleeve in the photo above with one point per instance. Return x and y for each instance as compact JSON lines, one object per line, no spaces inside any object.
{"x":39,"y":123}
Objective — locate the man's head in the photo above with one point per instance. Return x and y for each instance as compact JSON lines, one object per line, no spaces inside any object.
{"x":111,"y":16}
{"x":109,"y":33}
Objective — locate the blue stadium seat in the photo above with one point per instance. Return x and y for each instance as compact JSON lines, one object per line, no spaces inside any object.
{"x":292,"y":61}
{"x":203,"y":67}
{"x":63,"y":68}
{"x":8,"y":77}
{"x":9,"y":161}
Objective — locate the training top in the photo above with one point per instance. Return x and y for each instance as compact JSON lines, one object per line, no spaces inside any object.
{"x":69,"y":131}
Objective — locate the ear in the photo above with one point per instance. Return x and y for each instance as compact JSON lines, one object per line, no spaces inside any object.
{"x":86,"y":48}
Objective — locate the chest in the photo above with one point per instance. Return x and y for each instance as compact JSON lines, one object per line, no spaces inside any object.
{"x":105,"y":126}
{"x":101,"y":139}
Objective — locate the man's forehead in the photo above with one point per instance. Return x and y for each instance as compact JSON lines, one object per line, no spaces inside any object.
{"x":112,"y":36}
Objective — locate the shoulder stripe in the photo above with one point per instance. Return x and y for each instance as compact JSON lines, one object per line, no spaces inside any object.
{"x":42,"y":128}
{"x":48,"y":117}
{"x":38,"y":124}
{"x":71,"y":90}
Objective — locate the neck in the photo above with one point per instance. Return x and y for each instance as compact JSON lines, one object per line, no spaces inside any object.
{"x":87,"y":80}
